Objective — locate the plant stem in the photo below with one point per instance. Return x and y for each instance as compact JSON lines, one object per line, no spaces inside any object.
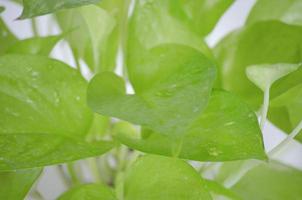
{"x":94,"y":170}
{"x":286,"y":141}
{"x":66,"y":181}
{"x":34,"y":27}
{"x":73,"y":175}
{"x":265,"y":107}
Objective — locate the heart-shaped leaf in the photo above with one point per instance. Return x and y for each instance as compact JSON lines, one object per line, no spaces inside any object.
{"x":15,"y":185}
{"x":44,"y":117}
{"x":35,"y":45}
{"x":226,"y":130}
{"x":89,"y":192}
{"x":263,"y":76}
{"x":286,"y":11}
{"x":33,"y":8}
{"x":163,"y":106}
{"x":267,"y":42}
{"x":163,"y":178}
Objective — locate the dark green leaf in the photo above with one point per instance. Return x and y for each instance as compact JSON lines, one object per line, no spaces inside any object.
{"x":34,"y":8}
{"x":163,"y":178}
{"x":261,"y":43}
{"x":44,"y":117}
{"x":15,"y":185}
{"x":226,"y":130}
{"x":35,"y":46}
{"x":163,"y":104}
{"x":288,"y":11}
{"x":89,"y":192}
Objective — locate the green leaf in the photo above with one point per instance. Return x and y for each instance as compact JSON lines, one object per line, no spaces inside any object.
{"x":163,"y":106}
{"x":263,"y":76}
{"x":272,"y":181}
{"x":44,"y":114}
{"x":163,"y":178}
{"x":157,"y":22}
{"x":35,"y":45}
{"x":89,"y":192}
{"x":226,"y":130}
{"x":94,"y":34}
{"x":33,"y":8}
{"x":7,"y":39}
{"x":286,"y":11}
{"x":286,"y":110}
{"x":1,"y":9}
{"x":268,"y":42}
{"x":15,"y":185}
{"x":218,"y":191}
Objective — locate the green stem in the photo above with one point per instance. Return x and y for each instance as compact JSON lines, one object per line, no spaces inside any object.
{"x":286,"y":141}
{"x":94,"y":170}
{"x":73,"y":175}
{"x":265,"y":107}
{"x":34,"y":27}
{"x":37,"y":195}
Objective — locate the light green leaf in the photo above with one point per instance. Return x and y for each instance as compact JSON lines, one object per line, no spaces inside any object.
{"x":93,"y":36}
{"x":15,"y":185}
{"x":264,"y":75}
{"x":33,"y":8}
{"x":218,"y":191}
{"x":44,"y":117}
{"x":163,"y":178}
{"x":89,"y":192}
{"x":226,"y":130}
{"x":288,"y":11}
{"x":157,"y":22}
{"x":35,"y":46}
{"x":268,"y":42}
{"x":163,"y":106}
{"x":7,"y":39}
{"x":286,"y":110}
{"x":272,"y":181}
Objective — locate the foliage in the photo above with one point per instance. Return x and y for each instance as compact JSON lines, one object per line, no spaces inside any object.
{"x":190,"y":102}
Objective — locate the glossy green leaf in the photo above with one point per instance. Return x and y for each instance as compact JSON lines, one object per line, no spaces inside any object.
{"x":44,"y":117}
{"x":15,"y":185}
{"x":163,"y":178}
{"x":263,"y":76}
{"x":89,"y":192}
{"x":163,"y":106}
{"x":272,"y":181}
{"x":268,"y":42}
{"x":226,"y":130}
{"x":34,"y":8}
{"x":35,"y":46}
{"x":93,"y":34}
{"x":288,"y":11}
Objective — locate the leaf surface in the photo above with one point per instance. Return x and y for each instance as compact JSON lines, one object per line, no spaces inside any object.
{"x":89,"y":192}
{"x":269,"y":42}
{"x":35,"y":46}
{"x":44,"y":117}
{"x":286,"y":11}
{"x":33,"y":8}
{"x":15,"y":185}
{"x":163,"y":178}
{"x":163,"y":105}
{"x":226,"y":130}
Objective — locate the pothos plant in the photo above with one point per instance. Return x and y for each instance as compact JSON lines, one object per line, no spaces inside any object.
{"x":190,"y":102}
